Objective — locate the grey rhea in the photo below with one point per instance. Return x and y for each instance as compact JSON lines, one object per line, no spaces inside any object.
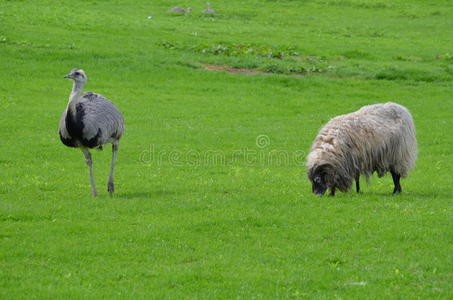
{"x":376,"y":138}
{"x":179,"y":10}
{"x":208,"y":10}
{"x":90,"y":121}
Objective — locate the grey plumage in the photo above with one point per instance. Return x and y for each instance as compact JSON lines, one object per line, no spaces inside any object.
{"x":208,"y":10}
{"x":179,"y":10}
{"x":90,"y":121}
{"x":377,"y":138}
{"x":96,"y":119}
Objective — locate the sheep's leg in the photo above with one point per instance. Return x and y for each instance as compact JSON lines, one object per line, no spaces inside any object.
{"x":332,"y":192}
{"x":90,"y":166}
{"x":110,"y":185}
{"x":357,"y":183}
{"x":396,"y":182}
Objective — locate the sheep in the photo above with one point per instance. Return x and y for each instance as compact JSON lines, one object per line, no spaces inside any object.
{"x":376,"y":138}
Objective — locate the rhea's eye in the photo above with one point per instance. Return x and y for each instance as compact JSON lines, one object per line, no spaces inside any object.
{"x":76,"y":73}
{"x":317,"y":180}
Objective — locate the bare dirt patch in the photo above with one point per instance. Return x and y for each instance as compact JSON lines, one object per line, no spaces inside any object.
{"x":219,"y":68}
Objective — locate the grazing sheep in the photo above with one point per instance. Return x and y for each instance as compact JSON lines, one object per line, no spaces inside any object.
{"x":376,"y":138}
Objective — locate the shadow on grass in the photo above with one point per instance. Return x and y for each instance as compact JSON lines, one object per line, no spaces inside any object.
{"x":147,"y":194}
{"x":428,"y":194}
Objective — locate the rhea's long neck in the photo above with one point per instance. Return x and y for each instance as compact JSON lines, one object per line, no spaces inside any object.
{"x":77,"y":90}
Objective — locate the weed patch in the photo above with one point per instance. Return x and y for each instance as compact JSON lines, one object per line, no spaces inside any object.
{"x":356,"y":4}
{"x":447,"y":57}
{"x":396,"y":73}
{"x":237,"y":50}
{"x":355,"y":54}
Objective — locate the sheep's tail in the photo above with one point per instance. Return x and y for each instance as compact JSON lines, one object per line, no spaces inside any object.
{"x":406,"y":145}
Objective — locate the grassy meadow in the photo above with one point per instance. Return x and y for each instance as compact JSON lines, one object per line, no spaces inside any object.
{"x":212,"y":199}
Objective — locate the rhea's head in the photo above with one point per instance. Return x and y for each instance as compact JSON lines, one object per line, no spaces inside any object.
{"x":78,"y":75}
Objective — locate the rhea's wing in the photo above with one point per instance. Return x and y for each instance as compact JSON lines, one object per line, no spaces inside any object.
{"x":62,"y":127}
{"x":65,"y":136}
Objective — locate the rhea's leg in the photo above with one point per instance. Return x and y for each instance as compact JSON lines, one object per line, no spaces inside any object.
{"x":110,"y":185}
{"x":357,"y":183}
{"x":90,"y":166}
{"x":396,"y":182}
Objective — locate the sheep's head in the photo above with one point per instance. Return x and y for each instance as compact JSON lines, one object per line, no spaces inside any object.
{"x":77,"y":75}
{"x":320,"y":177}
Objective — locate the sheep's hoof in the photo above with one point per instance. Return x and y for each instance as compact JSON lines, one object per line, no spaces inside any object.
{"x":110,"y":188}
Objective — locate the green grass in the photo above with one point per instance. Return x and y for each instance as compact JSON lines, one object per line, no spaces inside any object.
{"x":201,"y":211}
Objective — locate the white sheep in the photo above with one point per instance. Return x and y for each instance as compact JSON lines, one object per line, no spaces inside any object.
{"x":376,"y":138}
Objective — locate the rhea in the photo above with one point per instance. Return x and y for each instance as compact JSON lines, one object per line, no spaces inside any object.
{"x":208,"y":10}
{"x":90,"y":121}
{"x":179,"y":10}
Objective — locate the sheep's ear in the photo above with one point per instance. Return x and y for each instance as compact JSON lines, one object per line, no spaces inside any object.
{"x":323,"y":169}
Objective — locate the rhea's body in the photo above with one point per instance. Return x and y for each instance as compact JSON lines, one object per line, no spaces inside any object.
{"x":90,"y":121}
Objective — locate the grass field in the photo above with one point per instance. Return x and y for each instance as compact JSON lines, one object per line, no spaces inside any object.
{"x":212,"y":199}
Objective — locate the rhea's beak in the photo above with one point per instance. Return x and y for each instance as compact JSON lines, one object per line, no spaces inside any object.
{"x":67,"y":76}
